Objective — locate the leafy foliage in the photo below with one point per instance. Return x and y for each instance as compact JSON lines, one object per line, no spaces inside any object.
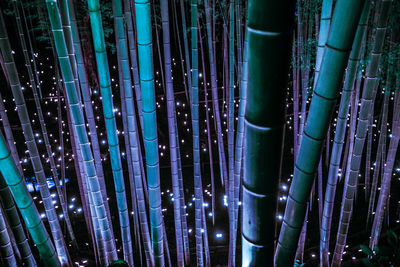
{"x":385,"y":255}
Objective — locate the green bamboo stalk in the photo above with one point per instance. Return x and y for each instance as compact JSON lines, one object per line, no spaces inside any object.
{"x":108,"y":109}
{"x":31,"y":143}
{"x":26,"y":206}
{"x":144,"y":40}
{"x":269,"y":32}
{"x":340,"y":39}
{"x":325,"y":23}
{"x":79,"y":125}
{"x":368,"y":97}
{"x":337,"y":148}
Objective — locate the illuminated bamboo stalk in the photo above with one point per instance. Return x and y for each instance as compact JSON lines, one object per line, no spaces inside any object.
{"x":231,"y":133}
{"x":26,"y":207}
{"x":134,"y":59}
{"x":182,"y":200}
{"x":340,"y":132}
{"x":144,"y":40}
{"x":6,"y":249}
{"x":269,"y":30}
{"x":186,"y":47}
{"x":326,"y":91}
{"x":196,"y":133}
{"x":379,"y":155}
{"x":14,"y":221}
{"x":325,"y":23}
{"x":240,"y":136}
{"x":172,"y":134}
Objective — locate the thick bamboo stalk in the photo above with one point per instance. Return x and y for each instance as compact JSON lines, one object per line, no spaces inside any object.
{"x":325,"y":23}
{"x":269,"y":29}
{"x":338,"y":142}
{"x":326,"y":91}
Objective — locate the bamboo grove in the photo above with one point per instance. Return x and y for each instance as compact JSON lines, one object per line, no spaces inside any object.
{"x":199,"y":133}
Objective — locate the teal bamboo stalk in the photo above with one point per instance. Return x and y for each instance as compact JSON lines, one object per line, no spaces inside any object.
{"x":144,"y":40}
{"x":196,"y":133}
{"x":31,"y":143}
{"x":6,"y":249}
{"x":79,"y":125}
{"x":368,"y":97}
{"x":231,"y":132}
{"x":108,"y":109}
{"x":172,"y":134}
{"x":269,"y":30}
{"x":337,"y":148}
{"x":340,"y":39}
{"x":325,"y":23}
{"x":132,"y":124}
{"x":134,"y":58}
{"x":26,"y":207}
{"x":49,"y":151}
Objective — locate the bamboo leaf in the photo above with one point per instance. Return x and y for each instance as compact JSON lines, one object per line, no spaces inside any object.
{"x":367,"y":250}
